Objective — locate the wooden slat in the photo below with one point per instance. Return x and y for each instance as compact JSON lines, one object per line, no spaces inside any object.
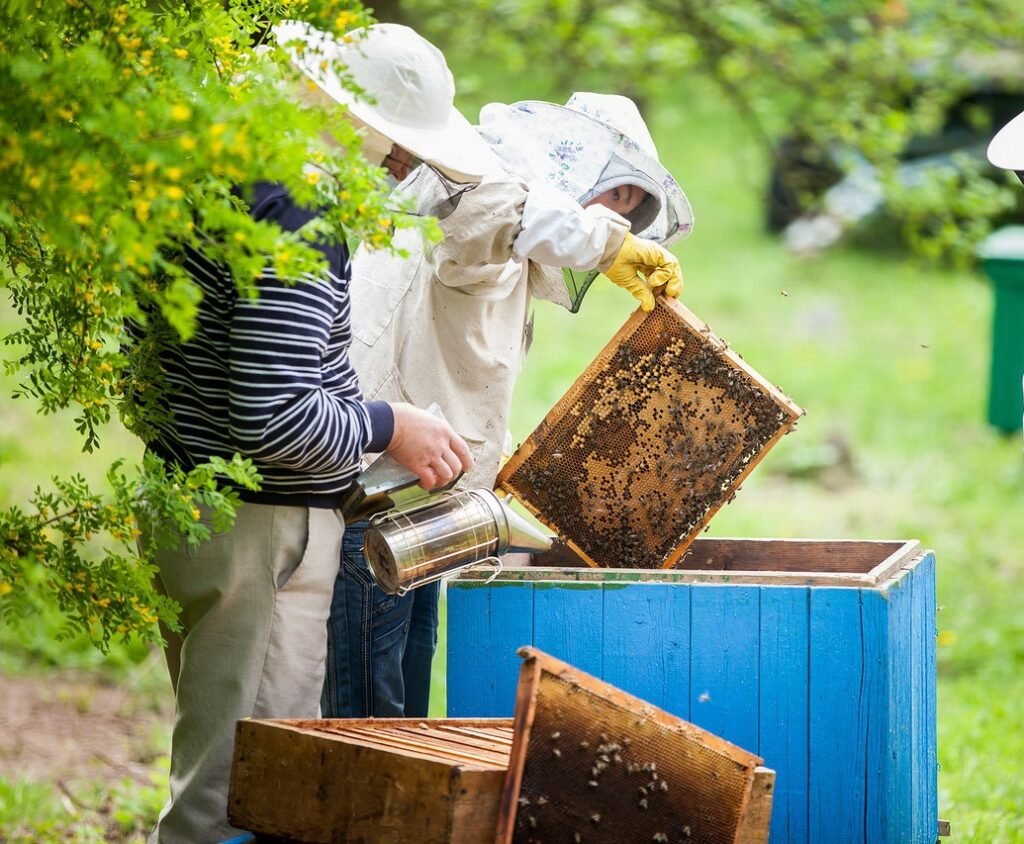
{"x":769,"y":561}
{"x":783,"y":706}
{"x":724,"y":661}
{"x":567,"y":623}
{"x":526,"y":707}
{"x":926,"y":763}
{"x":424,"y":748}
{"x":836,"y":556}
{"x":635,"y":615}
{"x":899,"y":782}
{"x":846,"y":711}
{"x":482,"y":649}
{"x":756,"y":823}
{"x":874,"y":701}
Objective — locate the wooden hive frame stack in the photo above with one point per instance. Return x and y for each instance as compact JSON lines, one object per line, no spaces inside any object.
{"x":383,"y":780}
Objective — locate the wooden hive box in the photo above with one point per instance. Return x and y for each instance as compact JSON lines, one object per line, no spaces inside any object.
{"x":649,"y":442}
{"x":817,"y":655}
{"x":592,"y":763}
{"x":370,"y":781}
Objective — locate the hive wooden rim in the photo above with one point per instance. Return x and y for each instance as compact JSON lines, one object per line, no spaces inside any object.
{"x":906,"y":556}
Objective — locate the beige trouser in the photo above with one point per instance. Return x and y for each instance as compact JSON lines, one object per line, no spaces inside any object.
{"x":255,"y":603}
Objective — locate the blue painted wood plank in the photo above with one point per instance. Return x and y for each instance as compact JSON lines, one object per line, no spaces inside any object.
{"x":875,"y":702}
{"x":486,"y":625}
{"x":783,"y":710}
{"x":567,"y":623}
{"x":646,"y":642}
{"x":724,"y":661}
{"x":847,"y":712}
{"x":901,"y":794}
{"x":925,"y":760}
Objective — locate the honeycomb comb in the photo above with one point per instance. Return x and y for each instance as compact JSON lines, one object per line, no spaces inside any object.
{"x":649,"y":442}
{"x":592,"y":763}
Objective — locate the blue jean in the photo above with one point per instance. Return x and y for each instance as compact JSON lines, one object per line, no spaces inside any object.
{"x":379,"y":647}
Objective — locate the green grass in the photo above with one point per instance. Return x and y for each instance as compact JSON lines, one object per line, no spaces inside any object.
{"x":886,"y":354}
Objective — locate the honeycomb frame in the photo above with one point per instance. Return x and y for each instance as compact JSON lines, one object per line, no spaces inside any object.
{"x":655,"y":436}
{"x":590,"y":762}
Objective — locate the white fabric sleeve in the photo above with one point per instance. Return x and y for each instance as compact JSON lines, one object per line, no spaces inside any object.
{"x":559,"y":232}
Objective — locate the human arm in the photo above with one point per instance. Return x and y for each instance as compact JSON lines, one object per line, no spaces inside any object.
{"x":293,"y":397}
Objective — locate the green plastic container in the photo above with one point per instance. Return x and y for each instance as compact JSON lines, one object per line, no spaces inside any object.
{"x":1002,"y":256}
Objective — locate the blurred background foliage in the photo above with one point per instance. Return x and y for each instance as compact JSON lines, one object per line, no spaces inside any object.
{"x":883,"y":338}
{"x":128,"y":132}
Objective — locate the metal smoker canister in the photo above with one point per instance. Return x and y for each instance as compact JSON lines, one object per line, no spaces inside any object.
{"x":407,"y":548}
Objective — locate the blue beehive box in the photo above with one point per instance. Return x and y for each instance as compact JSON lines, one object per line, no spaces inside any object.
{"x":818,"y":656}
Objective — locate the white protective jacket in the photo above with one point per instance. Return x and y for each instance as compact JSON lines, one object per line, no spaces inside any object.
{"x":447,"y":324}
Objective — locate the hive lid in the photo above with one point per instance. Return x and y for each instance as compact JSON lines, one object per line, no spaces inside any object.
{"x":649,"y":442}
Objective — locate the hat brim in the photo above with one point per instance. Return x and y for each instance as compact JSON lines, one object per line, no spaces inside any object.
{"x":1006,"y":150}
{"x":675,"y":206}
{"x":454,"y":148}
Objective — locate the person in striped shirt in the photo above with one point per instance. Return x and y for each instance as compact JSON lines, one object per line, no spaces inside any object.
{"x":270,"y":378}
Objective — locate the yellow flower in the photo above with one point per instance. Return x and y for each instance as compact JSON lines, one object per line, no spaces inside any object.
{"x":180,"y":53}
{"x":5,"y":588}
{"x":217,"y":129}
{"x":173,"y":192}
{"x":312,"y":177}
{"x":180,"y":111}
{"x":345,"y":20}
{"x":187,"y":142}
{"x":81,"y":218}
{"x":174,"y":173}
{"x":947,"y":637}
{"x":195,"y":514}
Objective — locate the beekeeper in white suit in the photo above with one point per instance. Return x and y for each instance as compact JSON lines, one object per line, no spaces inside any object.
{"x":579,"y":187}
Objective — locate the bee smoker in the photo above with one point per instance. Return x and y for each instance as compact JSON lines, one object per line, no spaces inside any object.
{"x":416,"y":537}
{"x":407,"y":548}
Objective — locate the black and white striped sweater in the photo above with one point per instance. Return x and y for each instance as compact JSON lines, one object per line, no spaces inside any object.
{"x":270,"y":377}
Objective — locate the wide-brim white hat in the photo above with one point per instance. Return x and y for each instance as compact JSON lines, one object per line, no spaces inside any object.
{"x":408,"y":91}
{"x":1006,"y":150}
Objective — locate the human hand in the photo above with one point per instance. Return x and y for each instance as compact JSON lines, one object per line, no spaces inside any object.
{"x":658,"y":266}
{"x":427,"y":446}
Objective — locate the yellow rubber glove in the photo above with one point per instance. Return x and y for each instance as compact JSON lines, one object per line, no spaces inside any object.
{"x":643,"y":266}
